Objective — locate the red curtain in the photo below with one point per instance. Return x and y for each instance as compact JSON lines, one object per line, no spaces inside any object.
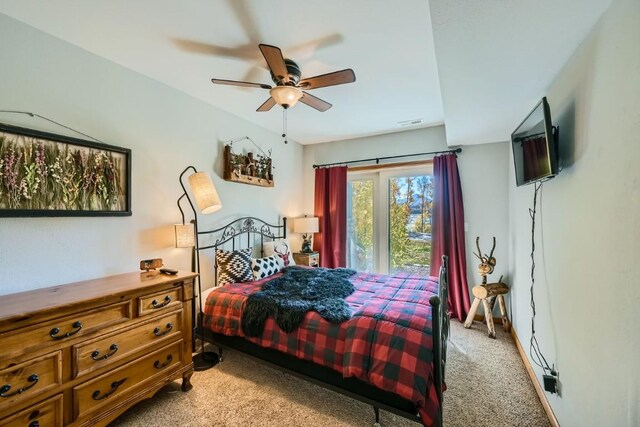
{"x":331,"y":210}
{"x":448,"y":231}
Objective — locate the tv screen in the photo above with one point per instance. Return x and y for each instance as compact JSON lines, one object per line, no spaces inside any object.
{"x":534,"y":148}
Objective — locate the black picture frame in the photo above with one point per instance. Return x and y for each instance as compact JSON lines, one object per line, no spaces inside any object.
{"x":110,"y":164}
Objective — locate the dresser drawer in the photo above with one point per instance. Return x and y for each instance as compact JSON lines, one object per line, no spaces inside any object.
{"x":101,"y":391}
{"x":106,"y":350}
{"x":63,"y":329}
{"x":43,"y":414}
{"x":30,"y":378}
{"x":154,"y":303}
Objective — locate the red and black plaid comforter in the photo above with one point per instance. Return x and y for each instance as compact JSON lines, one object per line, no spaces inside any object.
{"x":386,"y":343}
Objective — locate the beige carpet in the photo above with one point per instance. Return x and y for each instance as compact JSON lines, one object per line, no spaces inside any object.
{"x":487,"y":386}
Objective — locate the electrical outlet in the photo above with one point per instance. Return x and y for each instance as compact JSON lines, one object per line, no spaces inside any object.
{"x":550,"y":384}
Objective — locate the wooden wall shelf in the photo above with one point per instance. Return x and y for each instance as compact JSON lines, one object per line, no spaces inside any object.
{"x":251,"y":180}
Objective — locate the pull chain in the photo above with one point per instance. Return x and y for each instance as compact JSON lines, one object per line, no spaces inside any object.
{"x":284,"y":125}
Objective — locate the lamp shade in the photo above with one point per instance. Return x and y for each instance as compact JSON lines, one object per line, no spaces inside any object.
{"x":185,"y":235}
{"x":305,"y":225}
{"x":204,"y":192}
{"x":286,"y":96}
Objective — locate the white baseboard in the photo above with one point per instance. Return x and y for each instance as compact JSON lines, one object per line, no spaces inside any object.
{"x":532,"y":374}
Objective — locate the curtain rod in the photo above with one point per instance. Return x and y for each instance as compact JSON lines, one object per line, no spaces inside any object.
{"x":377,"y":159}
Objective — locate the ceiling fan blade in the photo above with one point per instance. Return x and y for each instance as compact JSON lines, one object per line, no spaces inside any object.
{"x":236,"y":83}
{"x":330,"y":79}
{"x":307,"y":49}
{"x":314,"y":102}
{"x":267,"y":105}
{"x":246,"y":51}
{"x":275,"y":60}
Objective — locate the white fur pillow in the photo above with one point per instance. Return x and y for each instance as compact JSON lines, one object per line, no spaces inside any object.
{"x":280,"y":247}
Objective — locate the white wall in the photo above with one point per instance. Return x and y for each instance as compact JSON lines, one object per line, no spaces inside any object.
{"x":483,"y":174}
{"x":166,"y":131}
{"x":588,"y":231}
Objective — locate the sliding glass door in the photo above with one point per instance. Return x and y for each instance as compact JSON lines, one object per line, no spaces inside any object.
{"x":389,"y":220}
{"x":360,"y":225}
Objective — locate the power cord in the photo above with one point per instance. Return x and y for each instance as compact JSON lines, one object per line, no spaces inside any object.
{"x":534,"y":348}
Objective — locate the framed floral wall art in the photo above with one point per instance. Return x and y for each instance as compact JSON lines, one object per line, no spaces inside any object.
{"x":43,"y":174}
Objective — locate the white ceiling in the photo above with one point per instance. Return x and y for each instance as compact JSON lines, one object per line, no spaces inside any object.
{"x":494,"y":57}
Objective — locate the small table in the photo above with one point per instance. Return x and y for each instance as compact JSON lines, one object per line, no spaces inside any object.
{"x":312,"y":259}
{"x":487,"y":293}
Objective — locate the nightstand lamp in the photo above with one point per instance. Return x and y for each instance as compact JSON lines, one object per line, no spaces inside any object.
{"x":306,"y":226}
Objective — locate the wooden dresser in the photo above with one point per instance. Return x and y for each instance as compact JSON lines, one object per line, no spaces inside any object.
{"x":81,"y":354}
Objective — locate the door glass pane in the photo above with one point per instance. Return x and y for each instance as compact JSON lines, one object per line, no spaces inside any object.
{"x":410,"y":204}
{"x":360,"y":225}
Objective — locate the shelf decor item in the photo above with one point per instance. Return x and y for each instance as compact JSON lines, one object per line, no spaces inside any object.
{"x":44,"y":174}
{"x":248,"y":169}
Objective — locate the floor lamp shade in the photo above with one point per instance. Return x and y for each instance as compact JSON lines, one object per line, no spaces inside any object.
{"x":185,"y":235}
{"x":204,"y":192}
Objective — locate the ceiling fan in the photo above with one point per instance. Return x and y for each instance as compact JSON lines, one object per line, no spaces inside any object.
{"x":290,"y":88}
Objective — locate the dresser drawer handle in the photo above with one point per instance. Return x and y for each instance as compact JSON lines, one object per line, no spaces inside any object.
{"x":34,"y":424}
{"x":166,"y":302}
{"x":33,"y":379}
{"x":114,"y":387}
{"x":96,"y":354}
{"x":55,"y":331}
{"x":159,"y":333}
{"x":159,"y":365}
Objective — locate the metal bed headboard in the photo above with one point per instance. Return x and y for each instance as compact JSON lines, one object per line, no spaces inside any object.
{"x":234,"y":231}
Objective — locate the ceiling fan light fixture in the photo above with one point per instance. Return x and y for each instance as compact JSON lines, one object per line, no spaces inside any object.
{"x":286,"y":96}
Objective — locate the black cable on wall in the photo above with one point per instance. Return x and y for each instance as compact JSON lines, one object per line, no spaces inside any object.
{"x":534,"y":347}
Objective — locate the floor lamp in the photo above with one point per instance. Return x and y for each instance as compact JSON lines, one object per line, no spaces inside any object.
{"x":206,"y":197}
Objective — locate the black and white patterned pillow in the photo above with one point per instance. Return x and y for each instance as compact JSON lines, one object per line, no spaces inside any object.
{"x":234,"y":267}
{"x":267,"y":266}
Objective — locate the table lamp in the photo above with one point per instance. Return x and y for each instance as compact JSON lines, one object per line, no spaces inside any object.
{"x":306,"y":226}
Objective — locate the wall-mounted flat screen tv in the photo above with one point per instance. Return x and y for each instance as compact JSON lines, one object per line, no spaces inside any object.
{"x":534,"y":146}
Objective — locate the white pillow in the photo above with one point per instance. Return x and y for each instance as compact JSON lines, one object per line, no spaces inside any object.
{"x":267,"y":266}
{"x":280,"y":247}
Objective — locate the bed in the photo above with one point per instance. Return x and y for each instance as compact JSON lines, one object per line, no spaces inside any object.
{"x":391,"y":352}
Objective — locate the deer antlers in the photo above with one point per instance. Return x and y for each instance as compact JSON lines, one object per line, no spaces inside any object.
{"x":485,"y":258}
{"x":493,"y":248}
{"x":487,"y":262}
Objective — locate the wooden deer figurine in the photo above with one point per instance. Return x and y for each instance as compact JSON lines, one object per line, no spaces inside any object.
{"x":488,"y":292}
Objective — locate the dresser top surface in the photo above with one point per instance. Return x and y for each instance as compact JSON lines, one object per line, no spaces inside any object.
{"x":55,"y":297}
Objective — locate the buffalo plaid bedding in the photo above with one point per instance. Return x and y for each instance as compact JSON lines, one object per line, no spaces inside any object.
{"x":386,"y":343}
